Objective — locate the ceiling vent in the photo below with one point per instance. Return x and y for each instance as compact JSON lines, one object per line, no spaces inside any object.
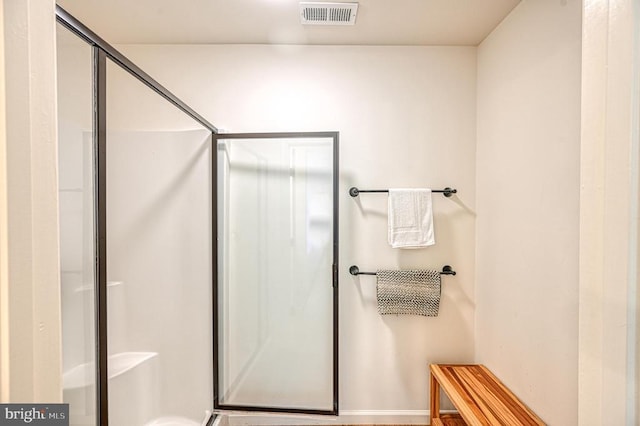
{"x":320,"y":13}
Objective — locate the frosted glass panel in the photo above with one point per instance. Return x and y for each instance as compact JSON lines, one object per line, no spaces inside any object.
{"x":159,"y":250}
{"x":77,"y":253}
{"x":275,"y":294}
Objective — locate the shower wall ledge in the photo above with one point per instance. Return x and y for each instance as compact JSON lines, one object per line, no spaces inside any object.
{"x":91,"y":287}
{"x":83,"y":375}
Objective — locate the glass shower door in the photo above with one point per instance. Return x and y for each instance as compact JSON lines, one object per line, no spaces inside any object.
{"x":77,"y":228}
{"x":136,"y":227}
{"x":159,"y":250}
{"x":276,"y":293}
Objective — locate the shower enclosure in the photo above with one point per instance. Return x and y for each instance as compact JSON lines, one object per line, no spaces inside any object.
{"x":198,"y":270}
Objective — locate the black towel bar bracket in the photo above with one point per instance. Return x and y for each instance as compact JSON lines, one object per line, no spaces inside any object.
{"x":354,"y":270}
{"x":447,"y":192}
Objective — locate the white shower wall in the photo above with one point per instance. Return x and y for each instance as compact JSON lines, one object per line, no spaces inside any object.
{"x":406,"y":117}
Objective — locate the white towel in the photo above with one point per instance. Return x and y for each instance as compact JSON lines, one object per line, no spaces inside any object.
{"x":410,"y":218}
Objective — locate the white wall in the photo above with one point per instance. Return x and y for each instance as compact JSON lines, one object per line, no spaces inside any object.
{"x":406,"y":117}
{"x":528,"y":165}
{"x":31,"y":326}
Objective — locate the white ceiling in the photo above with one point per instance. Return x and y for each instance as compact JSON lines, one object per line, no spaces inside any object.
{"x":379,"y":22}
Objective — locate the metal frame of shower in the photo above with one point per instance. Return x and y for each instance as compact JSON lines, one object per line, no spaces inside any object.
{"x":101,"y":51}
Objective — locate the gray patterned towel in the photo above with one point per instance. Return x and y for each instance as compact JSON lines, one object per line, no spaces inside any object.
{"x":411,"y":292}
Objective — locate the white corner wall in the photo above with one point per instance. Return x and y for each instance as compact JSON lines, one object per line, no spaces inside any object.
{"x":30,"y":329}
{"x":528,"y":170}
{"x":407,"y":118}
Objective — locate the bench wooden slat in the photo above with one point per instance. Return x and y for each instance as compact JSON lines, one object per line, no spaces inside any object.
{"x":491,"y":405}
{"x":464,"y":400}
{"x":480,"y":397}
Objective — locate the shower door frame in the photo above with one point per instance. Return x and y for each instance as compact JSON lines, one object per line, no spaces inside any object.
{"x":335,"y":136}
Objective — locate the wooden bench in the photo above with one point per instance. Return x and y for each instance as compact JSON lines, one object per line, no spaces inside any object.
{"x":479,"y":397}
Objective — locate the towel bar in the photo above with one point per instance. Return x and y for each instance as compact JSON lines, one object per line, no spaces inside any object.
{"x":354,"y":270}
{"x":448,"y":192}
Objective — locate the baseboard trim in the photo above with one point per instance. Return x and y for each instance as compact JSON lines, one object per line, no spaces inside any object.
{"x":346,"y":417}
{"x":384,"y":417}
{"x":384,"y":412}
